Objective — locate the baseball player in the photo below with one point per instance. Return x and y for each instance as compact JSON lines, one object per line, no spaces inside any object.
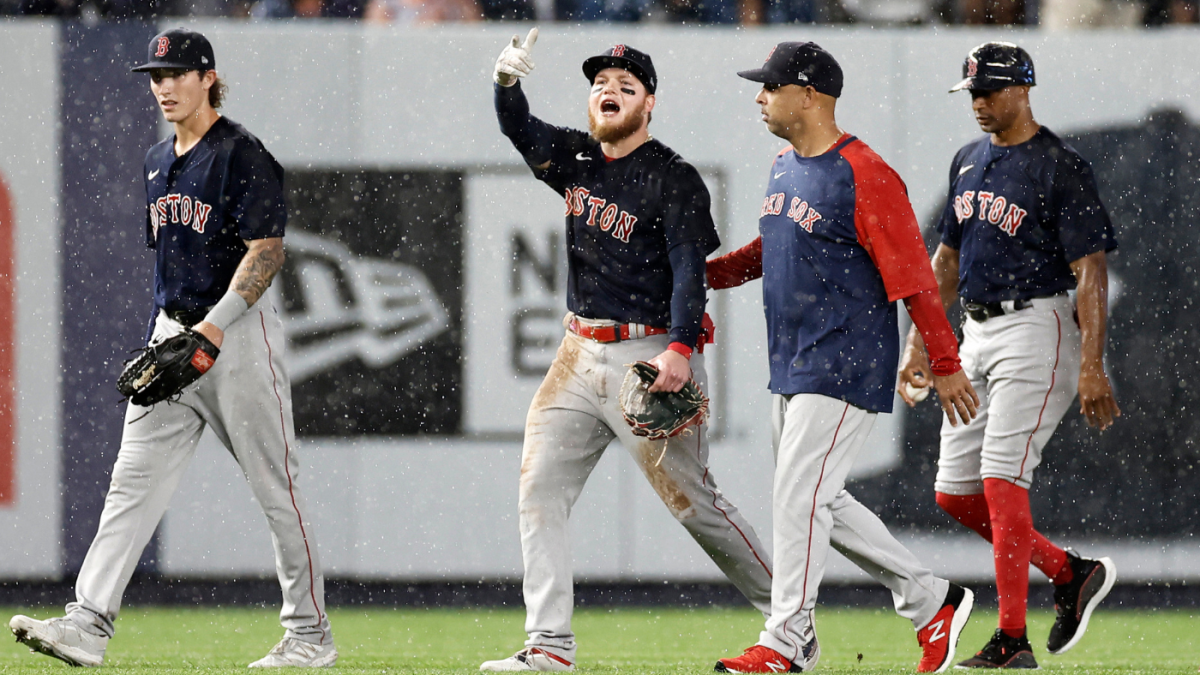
{"x":638,"y":231}
{"x":215,"y":219}
{"x":839,"y":246}
{"x":1023,"y":224}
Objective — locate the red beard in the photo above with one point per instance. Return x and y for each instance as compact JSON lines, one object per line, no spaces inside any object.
{"x":608,"y":132}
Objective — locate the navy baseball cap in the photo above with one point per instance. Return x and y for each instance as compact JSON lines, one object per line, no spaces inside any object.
{"x":802,"y":63}
{"x":627,"y":58}
{"x":996,"y":65}
{"x":179,"y":48}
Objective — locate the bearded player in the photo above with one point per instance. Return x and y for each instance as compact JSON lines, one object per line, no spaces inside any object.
{"x":638,"y":231}
{"x":839,"y":246}
{"x":1023,"y":224}
{"x":215,"y":219}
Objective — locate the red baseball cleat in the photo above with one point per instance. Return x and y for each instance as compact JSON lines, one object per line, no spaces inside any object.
{"x":940,"y":636}
{"x":760,"y":659}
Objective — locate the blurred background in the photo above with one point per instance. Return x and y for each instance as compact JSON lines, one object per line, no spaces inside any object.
{"x":425,"y":281}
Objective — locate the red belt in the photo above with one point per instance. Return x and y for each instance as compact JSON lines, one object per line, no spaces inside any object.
{"x":615,"y":333}
{"x":633,"y":331}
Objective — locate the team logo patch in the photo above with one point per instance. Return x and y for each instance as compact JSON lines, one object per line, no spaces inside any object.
{"x":202,"y":361}
{"x":618,"y":50}
{"x":972,"y":66}
{"x":163,"y":44}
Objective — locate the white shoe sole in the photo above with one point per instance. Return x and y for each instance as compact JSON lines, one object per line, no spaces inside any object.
{"x":961,"y":616}
{"x":1110,"y":578}
{"x":69,"y":655}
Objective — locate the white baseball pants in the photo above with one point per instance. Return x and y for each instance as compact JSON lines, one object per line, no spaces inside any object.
{"x":246,"y":399}
{"x":817,"y":439}
{"x":1025,"y":368}
{"x":572,"y":419}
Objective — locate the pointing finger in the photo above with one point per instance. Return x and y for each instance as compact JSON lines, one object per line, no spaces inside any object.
{"x":530,"y":40}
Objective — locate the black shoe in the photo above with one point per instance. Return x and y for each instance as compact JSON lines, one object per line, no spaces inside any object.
{"x":1003,"y":651}
{"x":1075,"y":600}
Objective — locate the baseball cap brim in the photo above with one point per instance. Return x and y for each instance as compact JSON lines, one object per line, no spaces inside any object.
{"x":595,"y":64}
{"x":155,"y":65}
{"x":764,"y":76}
{"x":983,"y":83}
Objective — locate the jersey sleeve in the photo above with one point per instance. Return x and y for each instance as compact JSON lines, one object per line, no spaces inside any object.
{"x":565,"y":166}
{"x":687,"y":209}
{"x":948,"y":225}
{"x":1082,"y":221}
{"x":254,"y":198}
{"x":887,"y":226}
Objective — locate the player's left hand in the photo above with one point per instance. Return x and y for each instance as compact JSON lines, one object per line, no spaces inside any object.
{"x":215,"y":335}
{"x":958,"y":397}
{"x":673,"y":371}
{"x":1096,"y":400}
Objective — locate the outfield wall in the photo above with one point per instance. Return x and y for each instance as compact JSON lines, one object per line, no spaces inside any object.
{"x":425,"y":285}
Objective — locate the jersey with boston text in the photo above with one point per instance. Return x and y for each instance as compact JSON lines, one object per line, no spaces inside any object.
{"x":623,"y":217}
{"x":1019,"y":215}
{"x":840,"y":246}
{"x":201,"y":206}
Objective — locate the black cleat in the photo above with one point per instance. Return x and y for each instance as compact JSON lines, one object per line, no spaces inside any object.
{"x":1075,"y":600}
{"x":1003,"y":651}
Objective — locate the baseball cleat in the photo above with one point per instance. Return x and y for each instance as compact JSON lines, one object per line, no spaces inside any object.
{"x":530,"y":658}
{"x":760,"y":659}
{"x":1003,"y":651}
{"x":293,"y":653}
{"x":939,"y":637}
{"x":61,"y":638}
{"x":1075,"y":600}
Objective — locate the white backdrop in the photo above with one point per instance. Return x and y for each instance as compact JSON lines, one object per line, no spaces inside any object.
{"x":337,"y":94}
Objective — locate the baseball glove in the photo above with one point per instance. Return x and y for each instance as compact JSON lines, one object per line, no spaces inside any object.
{"x":664,"y":414}
{"x":162,"y":370}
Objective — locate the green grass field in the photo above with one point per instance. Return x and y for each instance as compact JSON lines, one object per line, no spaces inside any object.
{"x":651,"y":640}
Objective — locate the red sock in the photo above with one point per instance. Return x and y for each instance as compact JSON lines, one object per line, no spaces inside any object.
{"x":972,"y":511}
{"x":1012,"y":546}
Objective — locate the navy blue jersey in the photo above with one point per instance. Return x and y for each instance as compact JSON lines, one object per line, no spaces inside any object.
{"x":201,"y":207}
{"x":1019,"y":215}
{"x":623,"y":218}
{"x":840,"y":245}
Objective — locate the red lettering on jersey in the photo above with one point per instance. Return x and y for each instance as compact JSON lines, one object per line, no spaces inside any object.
{"x":968,"y":208}
{"x":997,"y":210}
{"x":766,"y":207}
{"x":777,"y":207}
{"x":173,"y":201}
{"x":163,"y":44}
{"x":153,"y":220}
{"x":984,"y":199}
{"x":185,"y":210}
{"x":201,"y":216}
{"x":579,"y":196}
{"x":160,"y":205}
{"x":797,"y":209}
{"x":596,"y":203}
{"x":812,"y":217}
{"x":569,"y":192}
{"x":1013,"y":220}
{"x":624,"y":226}
{"x":608,"y":217}
{"x":958,"y":208}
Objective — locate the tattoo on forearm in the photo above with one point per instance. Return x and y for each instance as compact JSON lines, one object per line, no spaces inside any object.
{"x":256,"y":271}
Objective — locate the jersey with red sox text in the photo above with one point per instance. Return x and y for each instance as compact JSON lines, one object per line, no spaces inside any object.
{"x":840,"y":245}
{"x":623,"y":217}
{"x":1018,"y":215}
{"x":200,"y":208}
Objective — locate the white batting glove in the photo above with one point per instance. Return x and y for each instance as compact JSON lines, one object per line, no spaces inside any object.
{"x":514,"y":61}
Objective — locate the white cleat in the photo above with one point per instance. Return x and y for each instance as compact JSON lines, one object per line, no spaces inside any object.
{"x":61,"y":638}
{"x":293,"y":653}
{"x":530,"y":658}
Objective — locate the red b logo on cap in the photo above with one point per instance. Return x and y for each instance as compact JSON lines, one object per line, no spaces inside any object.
{"x":163,"y":43}
{"x":972,"y":67}
{"x":618,"y":50}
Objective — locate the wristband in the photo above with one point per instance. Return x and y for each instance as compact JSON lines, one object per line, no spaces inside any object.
{"x":680,"y":348}
{"x":227,"y":310}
